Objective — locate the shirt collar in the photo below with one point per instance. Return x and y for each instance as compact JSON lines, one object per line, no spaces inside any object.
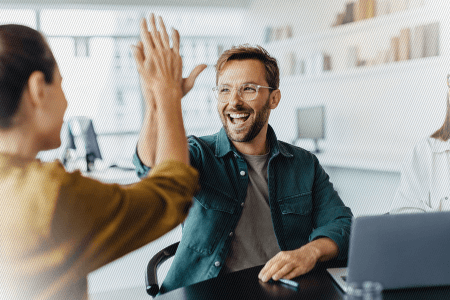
{"x":438,"y":146}
{"x":224,"y":145}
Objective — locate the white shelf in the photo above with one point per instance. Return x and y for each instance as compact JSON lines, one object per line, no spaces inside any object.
{"x":383,"y":69}
{"x":422,"y":12}
{"x":378,"y":163}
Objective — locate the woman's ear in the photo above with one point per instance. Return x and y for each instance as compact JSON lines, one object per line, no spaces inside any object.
{"x":36,"y":88}
{"x":275,"y":98}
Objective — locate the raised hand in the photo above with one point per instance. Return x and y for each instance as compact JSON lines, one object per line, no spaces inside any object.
{"x":158,"y":64}
{"x":187,"y":83}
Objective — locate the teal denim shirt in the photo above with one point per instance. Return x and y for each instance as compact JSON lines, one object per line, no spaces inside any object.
{"x":303,"y":204}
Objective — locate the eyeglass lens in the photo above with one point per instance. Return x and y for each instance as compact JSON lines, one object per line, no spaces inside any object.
{"x":246,"y":92}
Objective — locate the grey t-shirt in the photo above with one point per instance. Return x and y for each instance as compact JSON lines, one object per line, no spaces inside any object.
{"x":254,"y":242}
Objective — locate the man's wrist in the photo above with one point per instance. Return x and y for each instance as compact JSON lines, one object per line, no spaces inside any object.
{"x":315,"y":250}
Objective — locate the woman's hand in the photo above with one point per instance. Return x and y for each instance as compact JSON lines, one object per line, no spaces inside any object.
{"x":159,"y":65}
{"x":141,"y":54}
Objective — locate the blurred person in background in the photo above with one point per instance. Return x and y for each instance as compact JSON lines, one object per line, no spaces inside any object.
{"x":425,"y":175}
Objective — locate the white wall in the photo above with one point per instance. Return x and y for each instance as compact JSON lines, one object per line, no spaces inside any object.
{"x":200,"y":3}
{"x":373,"y":114}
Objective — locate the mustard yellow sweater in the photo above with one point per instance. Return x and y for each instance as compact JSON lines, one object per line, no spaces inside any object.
{"x":56,"y":227}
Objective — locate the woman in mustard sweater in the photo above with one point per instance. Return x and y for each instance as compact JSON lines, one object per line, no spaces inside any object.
{"x":55,"y":226}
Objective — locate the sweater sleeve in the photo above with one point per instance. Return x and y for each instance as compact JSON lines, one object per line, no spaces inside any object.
{"x":103,"y":222}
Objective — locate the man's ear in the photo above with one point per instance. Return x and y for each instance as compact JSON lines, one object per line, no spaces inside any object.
{"x":36,"y":88}
{"x":275,"y":98}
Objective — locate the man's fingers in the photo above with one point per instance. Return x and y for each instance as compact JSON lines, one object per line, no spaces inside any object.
{"x":294,"y":273}
{"x":190,"y":80}
{"x":140,"y":47}
{"x":284,"y":270}
{"x":176,"y":41}
{"x":271,"y":267}
{"x":165,"y":36}
{"x":138,"y":56}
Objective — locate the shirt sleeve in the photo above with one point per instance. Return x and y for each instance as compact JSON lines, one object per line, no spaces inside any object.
{"x":99,"y":223}
{"x":331,"y":217}
{"x":142,"y":170}
{"x":413,"y":194}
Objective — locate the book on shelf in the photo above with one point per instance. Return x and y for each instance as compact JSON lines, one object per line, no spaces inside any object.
{"x":359,"y":10}
{"x":369,"y":8}
{"x":339,"y":19}
{"x":356,"y":11}
{"x":315,"y":63}
{"x":383,"y":7}
{"x":398,"y":5}
{"x":431,"y":40}
{"x":404,"y":44}
{"x":348,"y":17}
{"x":267,"y":33}
{"x":352,"y":57}
{"x":415,"y":3}
{"x":286,"y":32}
{"x":272,"y":36}
{"x":300,"y":67}
{"x":327,"y":63}
{"x":278,"y":33}
{"x":417,"y":42}
{"x":288,"y":64}
{"x":393,"y":52}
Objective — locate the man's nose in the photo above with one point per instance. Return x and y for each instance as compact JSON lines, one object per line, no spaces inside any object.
{"x":235,"y":99}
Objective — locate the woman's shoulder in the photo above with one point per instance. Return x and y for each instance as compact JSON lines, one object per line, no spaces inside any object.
{"x":434,"y":145}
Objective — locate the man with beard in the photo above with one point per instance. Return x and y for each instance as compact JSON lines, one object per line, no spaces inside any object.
{"x":262,"y":201}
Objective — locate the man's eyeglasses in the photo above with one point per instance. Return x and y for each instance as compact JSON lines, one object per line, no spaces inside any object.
{"x":246,"y":92}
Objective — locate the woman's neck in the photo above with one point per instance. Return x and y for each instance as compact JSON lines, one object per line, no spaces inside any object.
{"x":18,"y":142}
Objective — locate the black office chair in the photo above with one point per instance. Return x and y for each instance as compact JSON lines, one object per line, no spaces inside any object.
{"x":151,"y":278}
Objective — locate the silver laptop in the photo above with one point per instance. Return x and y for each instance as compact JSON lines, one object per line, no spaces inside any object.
{"x":398,"y":251}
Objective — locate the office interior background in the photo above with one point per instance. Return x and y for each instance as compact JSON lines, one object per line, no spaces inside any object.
{"x":380,"y":76}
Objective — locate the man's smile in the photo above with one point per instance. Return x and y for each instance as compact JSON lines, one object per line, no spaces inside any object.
{"x":238,"y":118}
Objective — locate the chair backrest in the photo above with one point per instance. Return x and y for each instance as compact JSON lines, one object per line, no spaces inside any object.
{"x":151,"y":277}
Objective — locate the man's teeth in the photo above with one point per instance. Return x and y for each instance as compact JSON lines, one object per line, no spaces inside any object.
{"x":237,"y":116}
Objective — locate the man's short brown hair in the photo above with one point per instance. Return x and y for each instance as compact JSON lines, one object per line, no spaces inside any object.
{"x":246,"y":51}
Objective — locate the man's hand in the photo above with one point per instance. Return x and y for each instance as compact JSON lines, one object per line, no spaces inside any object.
{"x":290,"y":264}
{"x":188,"y":82}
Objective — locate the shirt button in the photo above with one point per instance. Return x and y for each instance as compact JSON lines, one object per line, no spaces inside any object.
{"x":217,"y":263}
{"x":242,"y":204}
{"x":231,"y":234}
{"x":242,"y":173}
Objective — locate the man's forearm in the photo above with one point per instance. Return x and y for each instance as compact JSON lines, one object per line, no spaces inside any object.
{"x":325,"y":248}
{"x":171,"y":141}
{"x":146,"y":147}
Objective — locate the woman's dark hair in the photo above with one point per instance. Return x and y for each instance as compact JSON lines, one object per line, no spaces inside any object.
{"x":22,"y":51}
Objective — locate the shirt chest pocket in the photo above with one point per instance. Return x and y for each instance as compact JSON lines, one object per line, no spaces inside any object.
{"x":296,"y":215}
{"x":208,"y":218}
{"x":300,"y":204}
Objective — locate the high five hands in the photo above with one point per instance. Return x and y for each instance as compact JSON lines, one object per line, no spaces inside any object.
{"x":159,"y":65}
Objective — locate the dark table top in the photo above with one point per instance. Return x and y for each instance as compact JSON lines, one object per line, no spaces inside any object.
{"x":315,"y":285}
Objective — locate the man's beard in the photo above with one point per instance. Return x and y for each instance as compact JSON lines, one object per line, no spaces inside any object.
{"x":255,"y":128}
